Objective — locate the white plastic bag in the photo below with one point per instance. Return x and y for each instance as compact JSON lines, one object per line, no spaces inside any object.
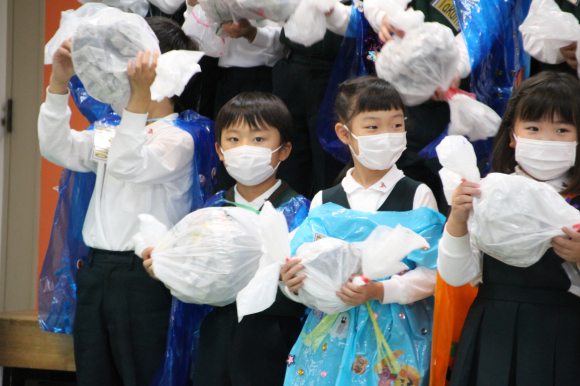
{"x":458,"y":159}
{"x":209,"y":256}
{"x":423,"y":61}
{"x":260,"y":293}
{"x":308,"y":23}
{"x":328,"y":264}
{"x":515,"y":218}
{"x":140,"y":7}
{"x":69,"y":22}
{"x":105,"y":42}
{"x":384,"y":249}
{"x":198,"y":27}
{"x":472,"y":118}
{"x":401,"y":17}
{"x":151,"y":231}
{"x":275,"y":10}
{"x":546,"y":29}
{"x":220,"y":11}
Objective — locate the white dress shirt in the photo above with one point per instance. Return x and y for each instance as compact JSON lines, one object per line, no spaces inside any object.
{"x":149,"y":170}
{"x":459,"y":262}
{"x":265,"y":50}
{"x":416,"y":284}
{"x":375,"y":16}
{"x":259,"y":201}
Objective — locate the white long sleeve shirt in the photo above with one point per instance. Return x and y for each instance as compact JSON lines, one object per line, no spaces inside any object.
{"x":375,"y":16}
{"x":265,"y":50}
{"x":149,"y":170}
{"x":416,"y":284}
{"x":459,"y":262}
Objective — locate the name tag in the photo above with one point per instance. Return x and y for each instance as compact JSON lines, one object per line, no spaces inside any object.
{"x":102,"y":142}
{"x":447,"y":9}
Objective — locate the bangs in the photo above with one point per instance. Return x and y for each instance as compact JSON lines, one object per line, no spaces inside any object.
{"x":379,"y":97}
{"x":556,"y":100}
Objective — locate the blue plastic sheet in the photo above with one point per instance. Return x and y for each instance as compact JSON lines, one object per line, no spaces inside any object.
{"x":67,"y":250}
{"x":348,"y":353}
{"x":185,"y":322}
{"x":356,"y":58}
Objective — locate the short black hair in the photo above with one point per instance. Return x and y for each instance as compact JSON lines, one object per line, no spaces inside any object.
{"x":257,"y":109}
{"x":171,"y":37}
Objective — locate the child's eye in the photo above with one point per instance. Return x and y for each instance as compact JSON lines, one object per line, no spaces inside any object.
{"x":562,"y":130}
{"x":397,"y":126}
{"x":233,"y":139}
{"x":258,"y":139}
{"x":532,"y":128}
{"x":372,"y":127}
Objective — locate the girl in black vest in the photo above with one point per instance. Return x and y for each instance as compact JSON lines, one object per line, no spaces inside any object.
{"x":524,"y":326}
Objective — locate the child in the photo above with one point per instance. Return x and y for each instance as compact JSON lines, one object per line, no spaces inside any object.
{"x":371,"y":117}
{"x":524,"y":325}
{"x":253,"y":134}
{"x":122,"y":314}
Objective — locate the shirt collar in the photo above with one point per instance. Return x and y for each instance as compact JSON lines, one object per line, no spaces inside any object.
{"x":163,"y":122}
{"x":559,"y":183}
{"x":258,"y":202}
{"x":384,"y":185}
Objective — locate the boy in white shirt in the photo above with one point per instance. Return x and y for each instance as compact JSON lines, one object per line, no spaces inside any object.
{"x":122,"y":314}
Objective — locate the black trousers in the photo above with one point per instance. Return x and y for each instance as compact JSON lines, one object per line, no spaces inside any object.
{"x":250,"y":353}
{"x":121,"y":322}
{"x":301,"y":83}
{"x":234,"y":81}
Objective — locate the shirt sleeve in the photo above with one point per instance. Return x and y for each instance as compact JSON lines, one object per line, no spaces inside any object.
{"x":168,"y":156}
{"x":458,"y":262}
{"x":268,"y":39}
{"x":374,"y":13}
{"x":339,"y":19}
{"x":58,"y":143}
{"x":424,"y":198}
{"x":413,"y":286}
{"x":464,"y":65}
{"x":167,"y":6}
{"x":316,"y":201}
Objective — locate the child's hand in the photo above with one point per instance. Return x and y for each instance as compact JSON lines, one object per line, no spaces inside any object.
{"x":141,"y":76}
{"x":386,"y":31}
{"x":439,"y":94}
{"x":355,"y":295}
{"x":461,"y":204}
{"x":62,"y":68}
{"x":569,"y":53}
{"x":147,"y":262}
{"x":240,"y":29}
{"x":568,"y":248}
{"x":288,"y":275}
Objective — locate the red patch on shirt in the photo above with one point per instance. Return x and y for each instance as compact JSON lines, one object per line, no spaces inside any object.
{"x":150,"y":131}
{"x":383,"y":185}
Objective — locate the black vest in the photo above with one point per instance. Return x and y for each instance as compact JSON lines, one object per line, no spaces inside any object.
{"x":400,"y":200}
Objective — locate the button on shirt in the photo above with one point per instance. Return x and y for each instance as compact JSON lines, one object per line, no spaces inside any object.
{"x":149,"y":170}
{"x":416,"y":284}
{"x":460,"y":262}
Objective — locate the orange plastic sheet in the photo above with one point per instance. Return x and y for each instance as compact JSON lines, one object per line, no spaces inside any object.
{"x":451,"y":307}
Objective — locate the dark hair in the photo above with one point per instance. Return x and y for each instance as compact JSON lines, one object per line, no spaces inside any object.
{"x":257,"y":109}
{"x":361,"y":95}
{"x":542,"y":97}
{"x":171,"y":37}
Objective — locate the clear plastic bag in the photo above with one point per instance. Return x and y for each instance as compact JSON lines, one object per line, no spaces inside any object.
{"x":401,"y":17}
{"x":105,"y":44}
{"x":423,"y":61}
{"x":515,"y":218}
{"x":69,"y":22}
{"x":384,"y":249}
{"x":275,"y":10}
{"x":328,"y":264}
{"x":198,"y":27}
{"x":260,"y":293}
{"x":308,"y":23}
{"x":546,"y":29}
{"x":140,"y":7}
{"x":458,"y":159}
{"x":209,"y":256}
{"x":472,"y":118}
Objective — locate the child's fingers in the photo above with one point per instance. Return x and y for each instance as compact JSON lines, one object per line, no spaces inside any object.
{"x":155,"y":59}
{"x":296,"y":287}
{"x":348,"y":292}
{"x":138,"y":62}
{"x":346,"y":299}
{"x":572,"y":233}
{"x":295,"y":281}
{"x":146,"y":60}
{"x":563,"y":243}
{"x":146,"y":254}
{"x":354,"y":287}
{"x":130,"y":69}
{"x":289,"y":264}
{"x":468,"y":184}
{"x":294,"y":270}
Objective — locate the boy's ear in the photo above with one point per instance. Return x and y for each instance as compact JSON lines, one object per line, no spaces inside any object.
{"x":219,"y":151}
{"x":342,"y":133}
{"x":512,"y":140}
{"x":285,"y":151}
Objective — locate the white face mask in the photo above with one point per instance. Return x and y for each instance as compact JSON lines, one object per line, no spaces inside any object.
{"x":545,"y":160}
{"x":249,"y":165}
{"x":381,"y":151}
